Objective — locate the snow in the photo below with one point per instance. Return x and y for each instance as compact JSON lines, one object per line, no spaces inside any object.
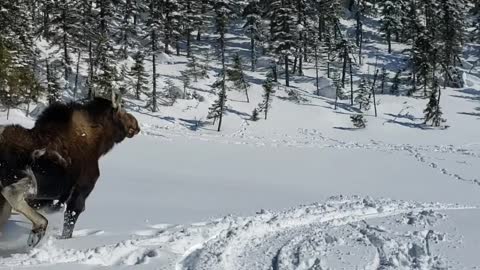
{"x":301,"y":190}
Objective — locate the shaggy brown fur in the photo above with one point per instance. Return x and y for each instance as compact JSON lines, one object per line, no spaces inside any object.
{"x":72,"y":137}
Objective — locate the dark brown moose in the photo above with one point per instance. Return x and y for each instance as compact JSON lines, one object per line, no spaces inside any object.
{"x":57,"y":159}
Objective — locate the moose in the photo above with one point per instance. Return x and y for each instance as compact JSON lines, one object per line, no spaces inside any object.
{"x":57,"y":160}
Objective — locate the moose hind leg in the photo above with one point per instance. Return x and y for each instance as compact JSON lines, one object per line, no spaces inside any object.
{"x":15,"y":196}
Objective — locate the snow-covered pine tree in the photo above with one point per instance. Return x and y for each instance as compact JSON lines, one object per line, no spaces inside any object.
{"x":268,"y":93}
{"x":222,"y":13}
{"x":107,"y":77}
{"x":138,"y":75}
{"x":65,"y":26}
{"x":411,"y":21}
{"x":194,"y":69}
{"x":153,"y":26}
{"x":300,"y":36}
{"x":431,"y":12}
{"x":476,"y":22}
{"x":390,"y":20}
{"x":172,"y":24}
{"x":395,"y":89}
{"x":363,"y":95}
{"x":339,"y":90}
{"x":452,"y":31}
{"x":186,"y":82}
{"x":54,"y":89}
{"x":283,"y":38}
{"x":422,"y":50}
{"x":237,"y":76}
{"x":17,"y":52}
{"x":218,"y":107}
{"x":433,"y":113}
{"x":205,"y":63}
{"x":253,"y":28}
{"x":127,"y":32}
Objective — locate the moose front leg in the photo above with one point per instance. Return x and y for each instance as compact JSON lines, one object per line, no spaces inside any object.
{"x":75,"y":206}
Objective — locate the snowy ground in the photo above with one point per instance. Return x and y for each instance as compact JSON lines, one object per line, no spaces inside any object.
{"x":259,"y":197}
{"x":302,"y":190}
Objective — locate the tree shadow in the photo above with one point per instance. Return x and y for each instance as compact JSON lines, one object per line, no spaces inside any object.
{"x":239,"y":113}
{"x":343,"y":106}
{"x":193,"y":124}
{"x":347,"y":128}
{"x":407,"y":116}
{"x":421,"y":126}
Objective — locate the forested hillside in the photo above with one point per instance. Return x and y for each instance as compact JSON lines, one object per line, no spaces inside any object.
{"x":76,"y":49}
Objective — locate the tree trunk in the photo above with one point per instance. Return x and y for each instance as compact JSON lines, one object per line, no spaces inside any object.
{"x":266,"y":106}
{"x":345,"y":59}
{"x":389,"y":41}
{"x":65,"y":42}
{"x":75,"y":88}
{"x":222,"y":102}
{"x":90,"y":79}
{"x":189,"y":48}
{"x":252,"y":52}
{"x":300,"y":65}
{"x":154,"y":70}
{"x":316,"y":70}
{"x":287,"y":75}
{"x":177,"y":45}
{"x":351,"y":82}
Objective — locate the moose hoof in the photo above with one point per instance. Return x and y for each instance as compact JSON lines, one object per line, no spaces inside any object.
{"x":35,"y":237}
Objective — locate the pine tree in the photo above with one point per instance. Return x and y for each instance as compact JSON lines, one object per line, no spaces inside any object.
{"x":390,"y":20}
{"x":254,"y":28}
{"x":128,"y":30}
{"x":153,"y":26}
{"x":283,"y":30}
{"x":64,"y":20}
{"x":395,"y":89}
{"x":237,"y":76}
{"x":194,"y":68}
{"x":218,"y":107}
{"x":173,"y":22}
{"x":139,"y":75}
{"x":222,"y":13}
{"x":452,"y":29}
{"x":422,"y":54}
{"x":268,"y":93}
{"x":363,"y":96}
{"x":205,"y":63}
{"x":186,"y":82}
{"x":433,"y":113}
{"x":412,"y":24}
{"x":54,"y":88}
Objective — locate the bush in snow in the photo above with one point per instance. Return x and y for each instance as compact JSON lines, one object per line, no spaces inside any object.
{"x":254,"y":115}
{"x":197,"y":96}
{"x":358,"y":121}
